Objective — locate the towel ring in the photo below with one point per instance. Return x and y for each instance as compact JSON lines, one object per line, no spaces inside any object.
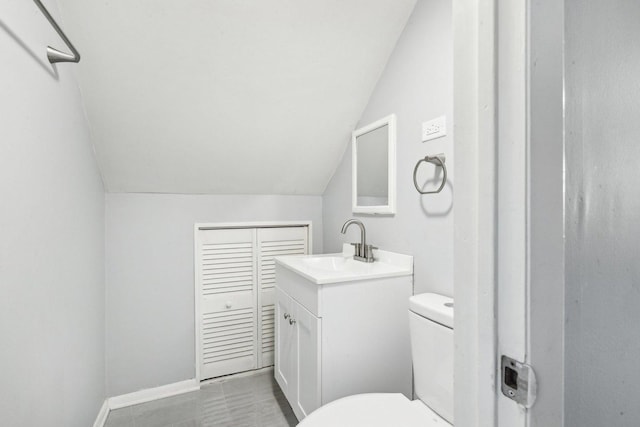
{"x":437,"y":160}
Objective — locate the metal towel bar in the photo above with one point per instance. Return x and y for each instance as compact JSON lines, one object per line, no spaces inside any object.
{"x":437,"y":160}
{"x":54,"y":55}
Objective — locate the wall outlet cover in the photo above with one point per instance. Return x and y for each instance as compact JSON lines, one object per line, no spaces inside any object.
{"x":435,"y":128}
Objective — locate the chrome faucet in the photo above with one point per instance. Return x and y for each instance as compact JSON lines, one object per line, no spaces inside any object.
{"x":363,"y":252}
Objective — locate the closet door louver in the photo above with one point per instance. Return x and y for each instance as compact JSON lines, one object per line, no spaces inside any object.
{"x":267,"y":335}
{"x":273,"y":242}
{"x":228,"y":293}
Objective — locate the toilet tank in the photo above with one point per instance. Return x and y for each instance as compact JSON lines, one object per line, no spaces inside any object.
{"x":431,"y":327}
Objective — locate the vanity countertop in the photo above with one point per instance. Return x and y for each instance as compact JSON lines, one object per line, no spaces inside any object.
{"x":341,"y":267}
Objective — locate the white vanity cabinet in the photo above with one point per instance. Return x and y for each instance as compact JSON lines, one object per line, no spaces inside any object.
{"x":340,"y":338}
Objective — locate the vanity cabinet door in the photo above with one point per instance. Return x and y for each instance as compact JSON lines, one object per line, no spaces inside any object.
{"x":307,"y":361}
{"x":297,"y":354}
{"x":284,"y":345}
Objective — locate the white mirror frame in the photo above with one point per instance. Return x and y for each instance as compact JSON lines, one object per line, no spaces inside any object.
{"x":390,"y":207}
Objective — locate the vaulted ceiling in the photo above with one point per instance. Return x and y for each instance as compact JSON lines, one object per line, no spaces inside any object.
{"x":227,"y":96}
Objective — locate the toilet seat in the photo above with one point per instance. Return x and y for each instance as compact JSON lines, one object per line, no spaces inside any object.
{"x":374,"y":410}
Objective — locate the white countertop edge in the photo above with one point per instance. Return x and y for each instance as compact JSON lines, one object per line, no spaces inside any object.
{"x":404,"y":264}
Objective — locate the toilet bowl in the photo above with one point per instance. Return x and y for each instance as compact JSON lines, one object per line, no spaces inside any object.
{"x":374,"y":410}
{"x":431,"y":327}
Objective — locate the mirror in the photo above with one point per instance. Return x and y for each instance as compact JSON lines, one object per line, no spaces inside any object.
{"x":373,"y":167}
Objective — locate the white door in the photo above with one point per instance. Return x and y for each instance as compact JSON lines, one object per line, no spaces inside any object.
{"x":307,"y":361}
{"x":228,"y":292}
{"x":284,"y":349}
{"x":273,"y":242}
{"x":235,"y":298}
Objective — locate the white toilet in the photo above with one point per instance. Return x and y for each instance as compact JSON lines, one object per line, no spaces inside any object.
{"x":431,"y":327}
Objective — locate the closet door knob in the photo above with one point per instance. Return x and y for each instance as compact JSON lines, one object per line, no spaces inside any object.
{"x":292,"y":321}
{"x":228,"y":304}
{"x":286,"y":316}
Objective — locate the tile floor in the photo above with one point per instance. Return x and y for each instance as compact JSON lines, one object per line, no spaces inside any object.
{"x":254,"y":400}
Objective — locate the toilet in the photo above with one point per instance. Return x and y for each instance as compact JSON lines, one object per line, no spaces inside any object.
{"x":431,"y":328}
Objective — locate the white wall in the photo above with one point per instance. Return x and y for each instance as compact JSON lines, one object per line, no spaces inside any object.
{"x":150,"y":277}
{"x":417,"y":85}
{"x":602,"y":308}
{"x":51,"y":235}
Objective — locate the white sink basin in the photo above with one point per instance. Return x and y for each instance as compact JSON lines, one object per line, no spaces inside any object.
{"x":328,"y":263}
{"x":341,"y":267}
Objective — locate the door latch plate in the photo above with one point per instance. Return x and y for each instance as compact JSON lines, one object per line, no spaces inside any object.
{"x":518,"y":381}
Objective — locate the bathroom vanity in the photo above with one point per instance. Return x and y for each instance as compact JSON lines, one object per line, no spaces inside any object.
{"x":342,"y":327}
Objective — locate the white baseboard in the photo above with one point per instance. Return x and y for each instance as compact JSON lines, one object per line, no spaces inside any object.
{"x":102,"y":415}
{"x":150,"y":394}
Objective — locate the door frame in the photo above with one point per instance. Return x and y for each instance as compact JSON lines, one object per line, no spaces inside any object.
{"x":508,"y":250}
{"x":196,"y":275}
{"x":475,"y":214}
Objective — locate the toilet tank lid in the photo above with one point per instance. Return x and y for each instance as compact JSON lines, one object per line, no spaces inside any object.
{"x":437,"y":308}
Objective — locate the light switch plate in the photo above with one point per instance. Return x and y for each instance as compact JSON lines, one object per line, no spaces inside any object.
{"x":435,"y":128}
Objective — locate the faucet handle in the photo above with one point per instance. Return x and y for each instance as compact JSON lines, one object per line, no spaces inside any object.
{"x":368,"y":252}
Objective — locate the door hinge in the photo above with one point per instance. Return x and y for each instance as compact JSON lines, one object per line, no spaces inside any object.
{"x":518,"y":381}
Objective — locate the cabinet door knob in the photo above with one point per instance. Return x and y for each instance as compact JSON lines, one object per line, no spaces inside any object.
{"x":286,"y":316}
{"x":292,"y":321}
{"x":228,"y":304}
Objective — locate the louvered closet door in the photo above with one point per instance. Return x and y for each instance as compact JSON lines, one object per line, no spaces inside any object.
{"x":273,"y":242}
{"x":228,"y":286}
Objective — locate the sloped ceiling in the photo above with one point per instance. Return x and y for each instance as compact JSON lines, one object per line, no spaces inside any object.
{"x":227,"y":96}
